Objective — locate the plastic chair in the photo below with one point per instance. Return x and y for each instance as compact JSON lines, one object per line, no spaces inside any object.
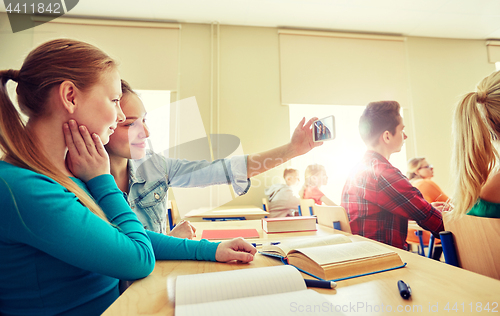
{"x":477,"y":243}
{"x":172,"y":214}
{"x":306,"y":205}
{"x":423,"y":239}
{"x":330,"y":215}
{"x":265,"y":204}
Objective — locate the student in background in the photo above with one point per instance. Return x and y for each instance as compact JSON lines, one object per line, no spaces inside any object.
{"x":476,"y":129}
{"x":67,"y":235}
{"x":420,"y":173}
{"x":378,"y":198}
{"x":283,"y":201}
{"x":315,"y":177}
{"x":146,"y":176}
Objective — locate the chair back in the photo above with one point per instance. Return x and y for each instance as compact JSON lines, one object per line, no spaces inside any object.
{"x":327,"y":215}
{"x":477,"y":243}
{"x":306,"y":207}
{"x":265,"y":204}
{"x":173,"y":213}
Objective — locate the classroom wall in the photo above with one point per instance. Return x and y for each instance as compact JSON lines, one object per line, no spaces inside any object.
{"x":249,"y":101}
{"x":441,"y":70}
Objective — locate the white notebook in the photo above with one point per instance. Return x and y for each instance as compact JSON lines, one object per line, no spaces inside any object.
{"x":278,"y":290}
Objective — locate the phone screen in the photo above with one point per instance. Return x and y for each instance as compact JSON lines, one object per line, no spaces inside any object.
{"x":324,"y":129}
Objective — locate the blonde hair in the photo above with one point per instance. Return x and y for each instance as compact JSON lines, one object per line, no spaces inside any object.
{"x":414,"y":165}
{"x":288,"y":171}
{"x":310,"y":179}
{"x":476,"y":124}
{"x":45,"y":67}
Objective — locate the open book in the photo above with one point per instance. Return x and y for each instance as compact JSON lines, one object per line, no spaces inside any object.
{"x":335,"y":257}
{"x":270,"y":291}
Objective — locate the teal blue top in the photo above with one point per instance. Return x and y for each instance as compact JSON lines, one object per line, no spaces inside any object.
{"x":485,"y":209}
{"x":56,"y":257}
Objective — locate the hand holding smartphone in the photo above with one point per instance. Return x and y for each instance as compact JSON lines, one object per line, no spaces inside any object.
{"x":324,"y":129}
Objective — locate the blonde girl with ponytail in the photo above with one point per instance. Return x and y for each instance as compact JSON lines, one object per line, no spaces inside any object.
{"x":476,"y":129}
{"x":67,"y":235}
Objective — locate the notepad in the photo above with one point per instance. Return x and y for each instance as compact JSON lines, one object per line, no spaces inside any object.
{"x":269,"y":291}
{"x":229,"y":233}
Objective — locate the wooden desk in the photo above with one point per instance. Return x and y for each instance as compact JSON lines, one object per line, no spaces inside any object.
{"x":227,"y":212}
{"x":435,"y":285}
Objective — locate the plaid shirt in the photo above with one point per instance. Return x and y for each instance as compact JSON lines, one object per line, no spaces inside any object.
{"x":379,"y":200}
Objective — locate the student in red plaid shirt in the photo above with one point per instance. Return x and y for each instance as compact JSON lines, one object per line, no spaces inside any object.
{"x":378,"y":198}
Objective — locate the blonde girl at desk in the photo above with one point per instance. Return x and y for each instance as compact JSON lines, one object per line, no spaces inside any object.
{"x":314,"y":177}
{"x":146,"y":176}
{"x":476,"y":130}
{"x":67,"y":235}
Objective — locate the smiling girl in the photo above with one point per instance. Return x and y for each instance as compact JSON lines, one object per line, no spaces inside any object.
{"x":146,"y":176}
{"x":66,"y":234}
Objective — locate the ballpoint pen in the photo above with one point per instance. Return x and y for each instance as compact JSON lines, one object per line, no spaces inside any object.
{"x":404,"y":289}
{"x":320,"y":283}
{"x":271,"y":243}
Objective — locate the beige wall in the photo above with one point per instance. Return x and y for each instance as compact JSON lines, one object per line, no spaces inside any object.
{"x":439,"y":71}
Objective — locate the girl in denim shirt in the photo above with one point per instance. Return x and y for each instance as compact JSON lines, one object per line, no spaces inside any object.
{"x":145,"y":176}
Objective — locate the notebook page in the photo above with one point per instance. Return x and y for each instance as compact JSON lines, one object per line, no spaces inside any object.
{"x":306,"y":302}
{"x":218,"y":286}
{"x":340,"y":253}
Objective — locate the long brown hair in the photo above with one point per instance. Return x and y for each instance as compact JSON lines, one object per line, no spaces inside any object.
{"x":476,"y":125}
{"x":45,"y":67}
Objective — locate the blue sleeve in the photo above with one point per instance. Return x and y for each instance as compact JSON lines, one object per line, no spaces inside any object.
{"x":202,"y":173}
{"x":46,"y":216}
{"x":172,"y":248}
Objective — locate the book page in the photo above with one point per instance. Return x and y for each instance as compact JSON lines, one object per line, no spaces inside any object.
{"x":343,"y":252}
{"x":306,"y":302}
{"x":286,"y":246}
{"x":218,"y":286}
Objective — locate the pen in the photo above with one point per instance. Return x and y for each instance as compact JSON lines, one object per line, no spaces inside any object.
{"x":404,"y":289}
{"x":272,"y":243}
{"x":320,"y":283}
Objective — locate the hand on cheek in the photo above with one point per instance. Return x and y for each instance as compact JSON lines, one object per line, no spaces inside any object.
{"x":86,"y":158}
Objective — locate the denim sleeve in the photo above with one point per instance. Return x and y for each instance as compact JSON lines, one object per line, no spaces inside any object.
{"x":202,"y":173}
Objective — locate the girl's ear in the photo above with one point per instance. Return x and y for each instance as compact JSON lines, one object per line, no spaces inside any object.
{"x":67,"y":94}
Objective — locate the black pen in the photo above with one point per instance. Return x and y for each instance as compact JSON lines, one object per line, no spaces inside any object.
{"x":404,"y":289}
{"x":272,"y":243}
{"x":320,"y":283}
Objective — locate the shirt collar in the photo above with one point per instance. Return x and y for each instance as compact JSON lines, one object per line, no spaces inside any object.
{"x":370,"y":154}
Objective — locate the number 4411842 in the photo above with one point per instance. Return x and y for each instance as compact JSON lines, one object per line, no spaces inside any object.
{"x":41,"y":8}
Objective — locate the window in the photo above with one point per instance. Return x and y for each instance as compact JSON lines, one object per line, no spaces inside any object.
{"x":340,"y":155}
{"x":497,"y":65}
{"x":157,"y":104}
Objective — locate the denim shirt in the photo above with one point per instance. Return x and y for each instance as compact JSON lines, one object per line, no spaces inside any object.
{"x":151,"y":176}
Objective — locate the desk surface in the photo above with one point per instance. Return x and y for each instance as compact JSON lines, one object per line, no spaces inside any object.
{"x":249,"y":212}
{"x":435,"y":285}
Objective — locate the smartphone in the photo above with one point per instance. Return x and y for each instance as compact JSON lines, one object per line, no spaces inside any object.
{"x":324,"y":129}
